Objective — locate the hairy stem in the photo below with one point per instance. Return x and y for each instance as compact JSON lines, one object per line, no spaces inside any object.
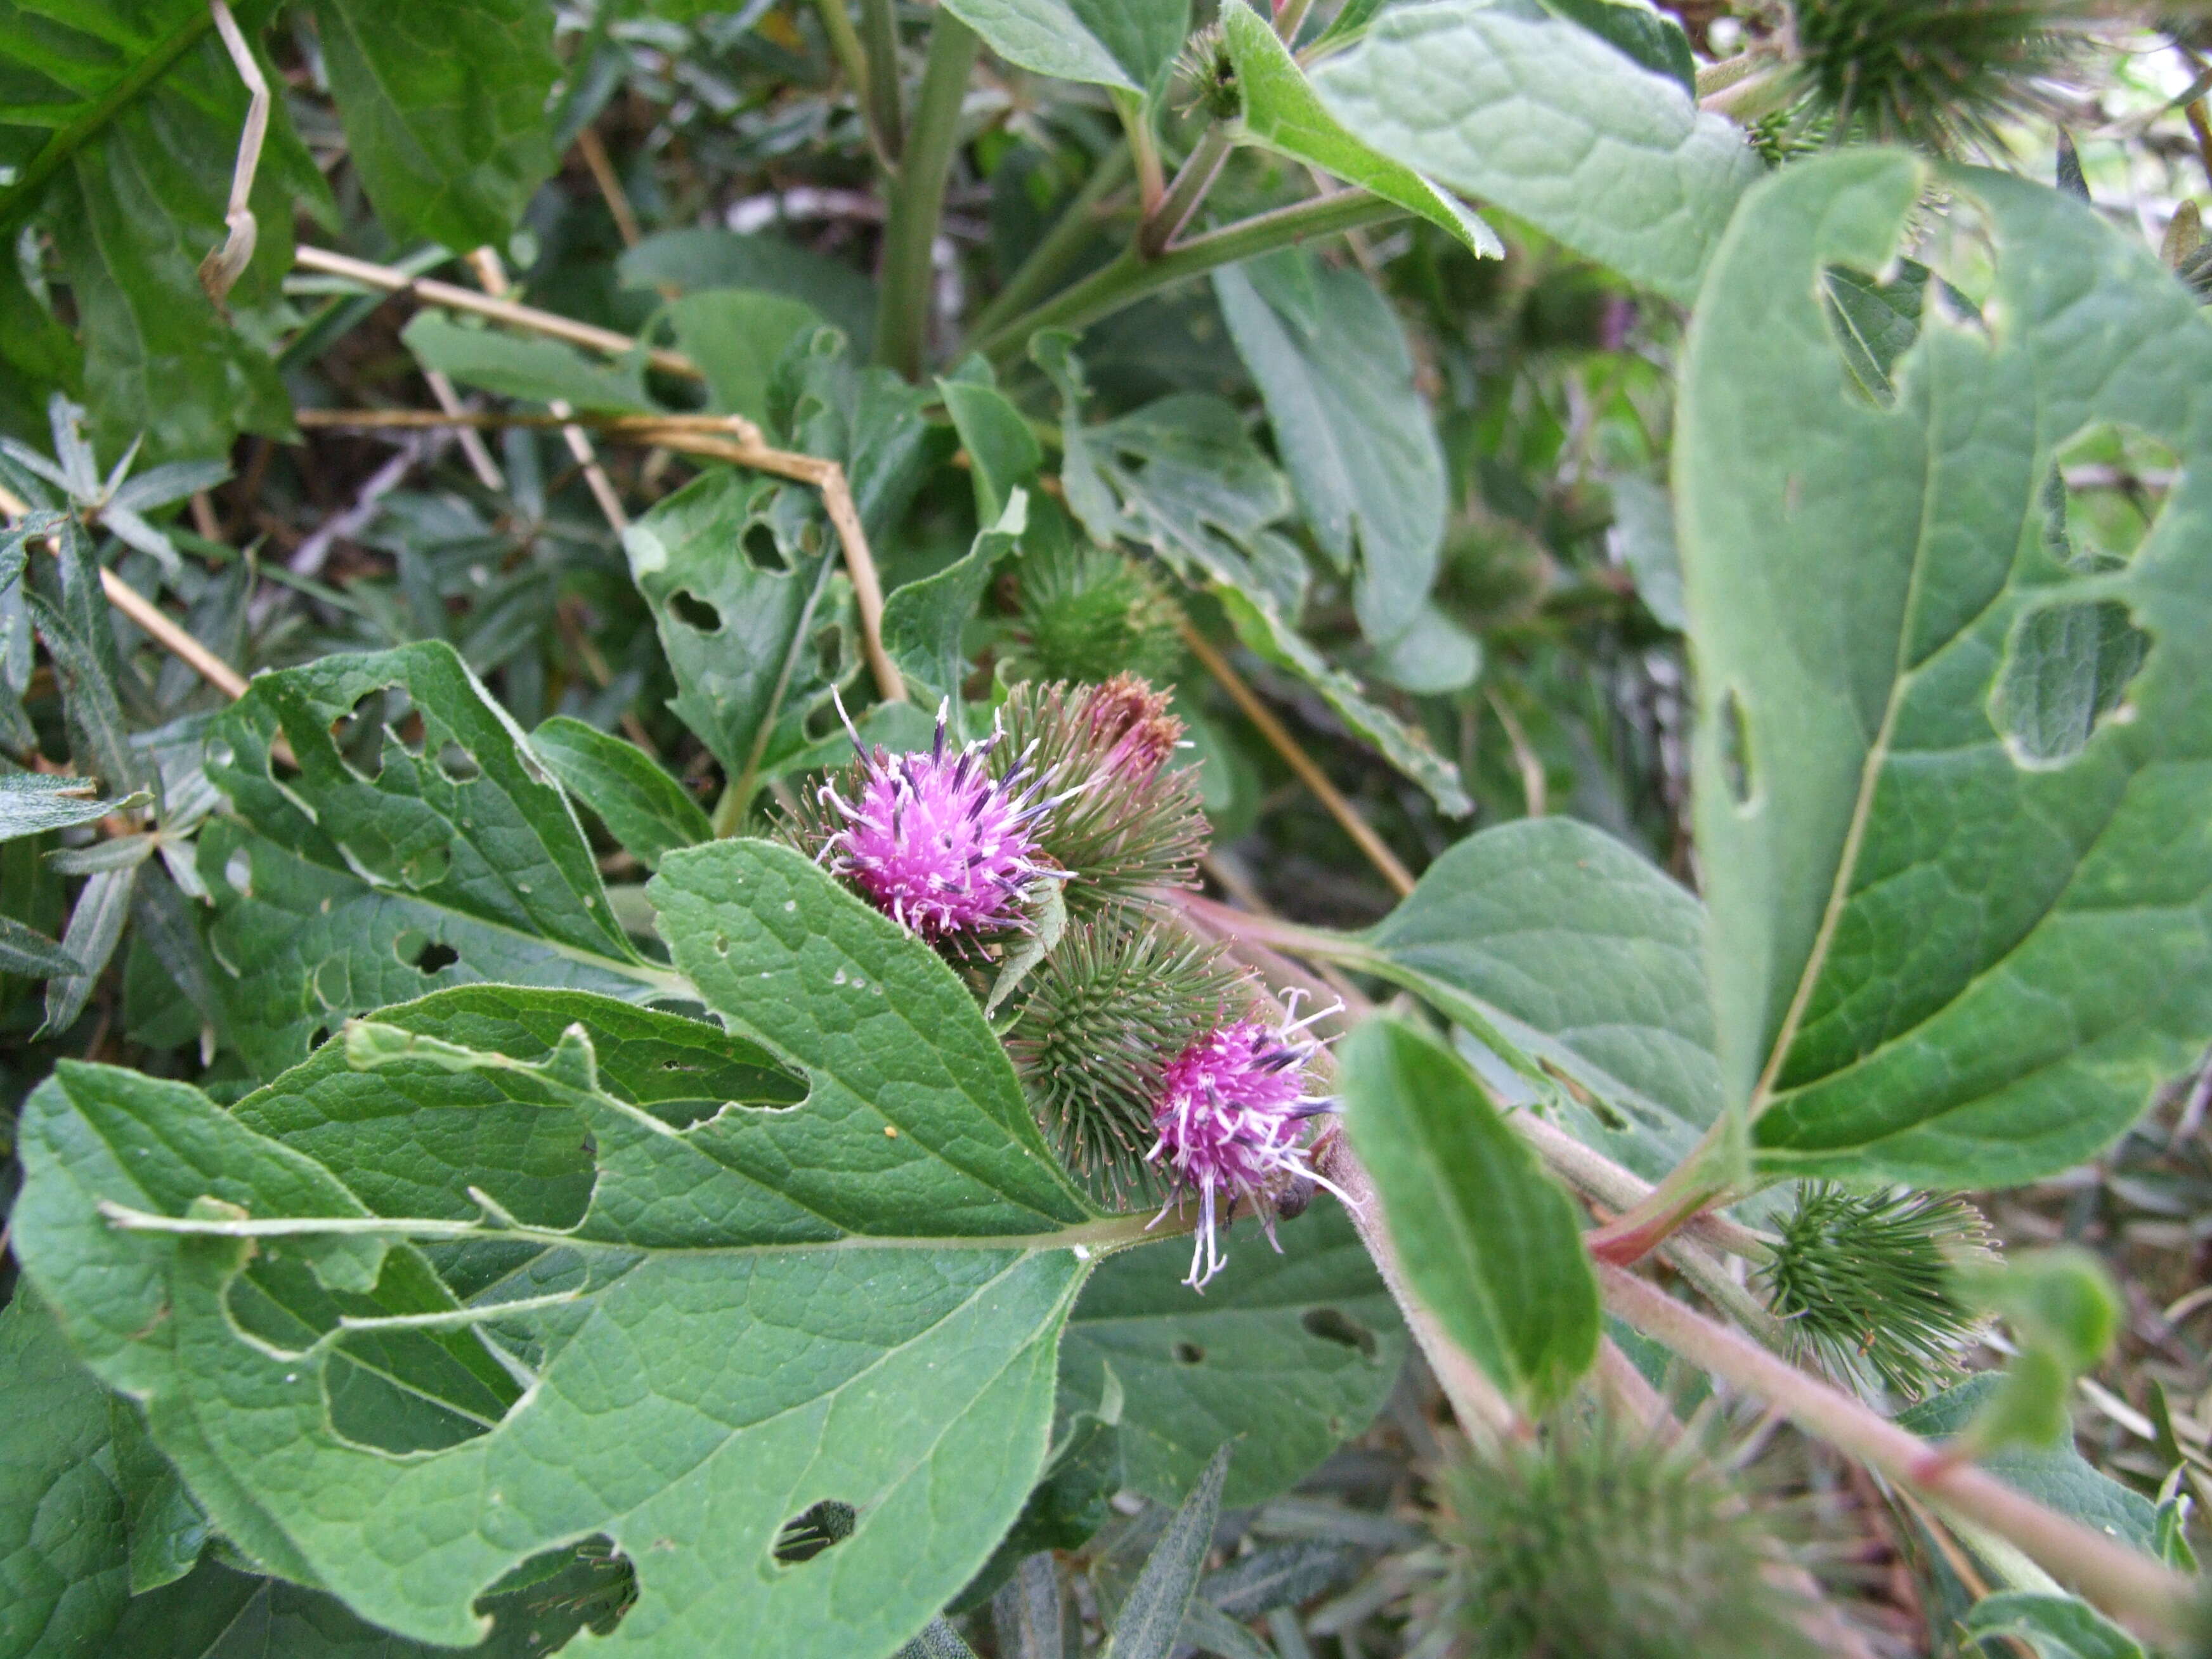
{"x":918,"y":197}
{"x":1164,"y":222}
{"x":2147,"y":1596}
{"x":1070,"y":234}
{"x":1482,"y":1410}
{"x":1132,"y":278}
{"x":879,"y":30}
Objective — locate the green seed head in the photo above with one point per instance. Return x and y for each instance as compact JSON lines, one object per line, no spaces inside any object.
{"x":1865,"y":1281}
{"x":1600,"y":1541}
{"x":1087,"y":615}
{"x":1945,"y":74}
{"x":1114,"y":1003}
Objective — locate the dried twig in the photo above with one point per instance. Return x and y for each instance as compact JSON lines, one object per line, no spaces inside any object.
{"x":602,"y":168}
{"x":224,"y":267}
{"x":1309,"y":774}
{"x":491,"y":276}
{"x":455,"y":298}
{"x":719,"y":437}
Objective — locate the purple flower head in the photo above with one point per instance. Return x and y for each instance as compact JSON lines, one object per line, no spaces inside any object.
{"x":1231,"y":1117}
{"x":935,"y":841}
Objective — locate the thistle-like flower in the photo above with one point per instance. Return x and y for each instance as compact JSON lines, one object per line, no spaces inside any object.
{"x":935,"y":841}
{"x":1124,"y":823}
{"x":1231,"y":1118}
{"x":1948,"y":74}
{"x":1105,"y":1011}
{"x":1866,"y":1283}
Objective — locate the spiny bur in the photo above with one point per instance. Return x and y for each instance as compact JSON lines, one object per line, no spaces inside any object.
{"x":1598,"y":1540}
{"x":1107,"y":1010}
{"x":1086,"y":614}
{"x":1865,"y":1282}
{"x":1945,"y":74}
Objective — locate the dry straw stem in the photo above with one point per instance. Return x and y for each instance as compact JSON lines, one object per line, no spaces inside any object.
{"x":718,"y":437}
{"x":2151,"y":1599}
{"x":1311,"y":774}
{"x":220,"y":271}
{"x":722,"y":437}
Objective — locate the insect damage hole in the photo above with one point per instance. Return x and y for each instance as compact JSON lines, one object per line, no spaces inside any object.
{"x":2107,"y":487}
{"x":1187,"y":1353}
{"x":2066,"y":671}
{"x":812,"y":1530}
{"x":1734,"y":738}
{"x":1334,"y":1325}
{"x":693,"y":613}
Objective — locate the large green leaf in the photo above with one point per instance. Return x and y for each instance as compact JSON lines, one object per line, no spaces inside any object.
{"x":1947,"y":948}
{"x":737,"y":336}
{"x":1508,"y":103}
{"x":137,"y":201}
{"x":744,"y":588}
{"x":1353,"y":434}
{"x":1295,"y":1352}
{"x":854,"y":1301}
{"x":696,"y":260}
{"x":1491,"y":1245}
{"x":434,"y":850}
{"x":64,"y":1573}
{"x":1282,"y":113}
{"x":1107,"y":43}
{"x":444,"y":109}
{"x":1583,"y":956}
{"x":648,"y":811}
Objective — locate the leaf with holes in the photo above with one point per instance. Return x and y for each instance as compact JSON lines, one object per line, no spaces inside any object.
{"x":1509,"y":104}
{"x":403,"y":838}
{"x":796,"y":1361}
{"x":1953,"y":818}
{"x":1297,"y":1353}
{"x":752,"y":611}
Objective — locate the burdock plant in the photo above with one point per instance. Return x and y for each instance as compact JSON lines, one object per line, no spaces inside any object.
{"x":1945,"y":74}
{"x":1867,"y":1284}
{"x":1598,"y":1540}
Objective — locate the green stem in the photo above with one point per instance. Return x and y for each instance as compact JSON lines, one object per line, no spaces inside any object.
{"x":2148,"y":1597}
{"x":879,"y":29}
{"x":845,"y":46}
{"x":1196,"y":176}
{"x":1132,"y":278}
{"x":917,"y":197}
{"x":1291,"y":19}
{"x":1070,"y":234}
{"x":17,"y":199}
{"x":1144,"y":147}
